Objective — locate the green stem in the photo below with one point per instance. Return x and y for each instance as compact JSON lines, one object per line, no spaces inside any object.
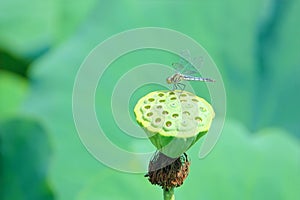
{"x":169,"y":194}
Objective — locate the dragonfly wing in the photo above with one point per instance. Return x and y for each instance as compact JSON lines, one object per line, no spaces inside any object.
{"x":186,"y":54}
{"x":190,"y":72}
{"x":189,"y":62}
{"x":198,"y":61}
{"x":181,"y":65}
{"x":186,"y":63}
{"x":178,"y":66}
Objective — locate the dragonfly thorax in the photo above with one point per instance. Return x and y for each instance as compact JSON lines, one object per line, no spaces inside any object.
{"x":175,"y":78}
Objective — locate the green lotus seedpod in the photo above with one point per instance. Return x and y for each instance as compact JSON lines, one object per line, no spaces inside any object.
{"x":173,"y":120}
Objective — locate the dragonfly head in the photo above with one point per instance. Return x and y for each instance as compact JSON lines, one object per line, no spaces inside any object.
{"x":169,"y":80}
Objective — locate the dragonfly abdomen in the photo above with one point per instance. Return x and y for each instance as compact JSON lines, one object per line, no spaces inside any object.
{"x":193,"y":78}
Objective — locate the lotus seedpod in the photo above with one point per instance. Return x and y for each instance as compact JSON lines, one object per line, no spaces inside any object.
{"x":173,"y":120}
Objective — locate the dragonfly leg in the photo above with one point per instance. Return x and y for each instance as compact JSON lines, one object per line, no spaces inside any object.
{"x":174,"y":87}
{"x":181,"y":86}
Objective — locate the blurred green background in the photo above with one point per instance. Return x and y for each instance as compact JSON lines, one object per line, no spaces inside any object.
{"x":255,"y":44}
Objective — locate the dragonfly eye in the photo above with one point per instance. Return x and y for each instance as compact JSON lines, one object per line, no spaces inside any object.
{"x":169,"y":80}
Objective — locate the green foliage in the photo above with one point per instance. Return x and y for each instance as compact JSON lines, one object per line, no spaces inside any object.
{"x":24,"y":158}
{"x":255,"y":45}
{"x":13,"y":63}
{"x":264,"y":165}
{"x":28,"y":28}
{"x":277,"y":68}
{"x":13,"y":91}
{"x":108,"y":184}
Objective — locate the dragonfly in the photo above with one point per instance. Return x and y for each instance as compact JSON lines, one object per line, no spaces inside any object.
{"x":184,"y":73}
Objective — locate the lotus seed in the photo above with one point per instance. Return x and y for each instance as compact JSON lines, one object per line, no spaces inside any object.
{"x":151,"y":99}
{"x":168,"y":123}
